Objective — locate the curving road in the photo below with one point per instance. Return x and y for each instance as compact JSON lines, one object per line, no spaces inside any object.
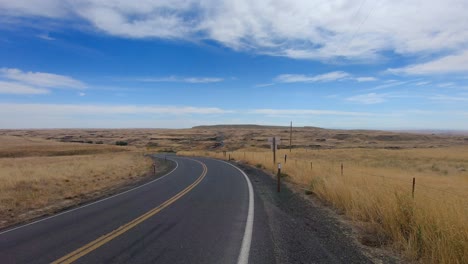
{"x":201,"y":212}
{"x":204,"y":211}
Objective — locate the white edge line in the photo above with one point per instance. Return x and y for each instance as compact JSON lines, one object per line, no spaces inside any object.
{"x":247,"y":240}
{"x":95,"y":202}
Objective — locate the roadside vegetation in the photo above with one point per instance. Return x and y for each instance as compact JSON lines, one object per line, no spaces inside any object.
{"x":40,"y":177}
{"x":375,"y":191}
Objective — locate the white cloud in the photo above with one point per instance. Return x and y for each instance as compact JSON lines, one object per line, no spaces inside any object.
{"x":387,"y":84}
{"x":422,"y":83}
{"x":456,"y":63}
{"x":264,"y":85}
{"x":327,"y":77}
{"x":81,"y":94}
{"x":446,"y":85}
{"x":370,"y":98}
{"x":306,"y":112}
{"x":18,"y":88}
{"x":366,"y":79}
{"x":68,"y":109}
{"x":448,"y":98}
{"x":301,"y":29}
{"x":41,"y":79}
{"x":45,"y":37}
{"x":181,"y":79}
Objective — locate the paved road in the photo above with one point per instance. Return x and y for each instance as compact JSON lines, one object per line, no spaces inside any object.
{"x":204,"y":211}
{"x":198,"y":213}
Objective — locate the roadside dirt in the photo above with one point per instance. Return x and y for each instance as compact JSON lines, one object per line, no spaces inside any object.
{"x":305,"y":230}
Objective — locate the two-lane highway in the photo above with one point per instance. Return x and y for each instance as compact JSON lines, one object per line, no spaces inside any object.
{"x":201,"y":212}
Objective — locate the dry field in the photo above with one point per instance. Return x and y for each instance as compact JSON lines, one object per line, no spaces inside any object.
{"x":242,"y":137}
{"x":375,"y":191}
{"x":39,"y":177}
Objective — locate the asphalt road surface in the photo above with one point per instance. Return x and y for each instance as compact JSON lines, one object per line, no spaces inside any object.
{"x":204,"y":211}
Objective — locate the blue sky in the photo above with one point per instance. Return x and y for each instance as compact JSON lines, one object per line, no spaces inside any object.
{"x":176,"y":64}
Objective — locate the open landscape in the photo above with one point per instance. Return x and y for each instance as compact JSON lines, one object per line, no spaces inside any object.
{"x":234,"y":131}
{"x":40,"y":177}
{"x":54,"y":168}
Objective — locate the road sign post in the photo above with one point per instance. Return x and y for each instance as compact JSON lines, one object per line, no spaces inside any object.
{"x":279,"y":178}
{"x":274,"y":150}
{"x":274,"y":142}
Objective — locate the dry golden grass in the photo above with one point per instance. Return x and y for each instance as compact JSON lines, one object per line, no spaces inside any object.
{"x":46,"y":176}
{"x":375,"y":191}
{"x":13,"y":147}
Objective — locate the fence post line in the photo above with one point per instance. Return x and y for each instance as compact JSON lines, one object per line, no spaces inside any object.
{"x":414,"y":183}
{"x":154,"y":168}
{"x":229,"y":156}
{"x":341,"y":169}
{"x":311,"y":165}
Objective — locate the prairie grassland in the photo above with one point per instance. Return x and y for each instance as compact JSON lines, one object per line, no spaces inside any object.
{"x":44,"y":176}
{"x":375,"y":191}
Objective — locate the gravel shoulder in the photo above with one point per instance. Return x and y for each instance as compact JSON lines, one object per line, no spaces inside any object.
{"x":299,"y":229}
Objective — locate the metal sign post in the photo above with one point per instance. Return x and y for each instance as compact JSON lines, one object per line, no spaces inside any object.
{"x":279,"y":178}
{"x":274,"y":142}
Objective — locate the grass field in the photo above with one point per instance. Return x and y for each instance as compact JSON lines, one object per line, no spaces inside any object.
{"x":39,"y":177}
{"x":375,"y":191}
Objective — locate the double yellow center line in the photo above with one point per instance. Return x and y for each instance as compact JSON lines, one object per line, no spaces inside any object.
{"x":73,"y":256}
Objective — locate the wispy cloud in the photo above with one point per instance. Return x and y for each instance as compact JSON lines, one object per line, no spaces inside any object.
{"x":455,"y":63}
{"x":387,"y":84}
{"x":41,"y":79}
{"x":180,"y":79}
{"x":92,"y":109}
{"x":306,"y":112}
{"x":446,"y":85}
{"x":45,"y":37}
{"x":370,"y":98}
{"x":264,"y":84}
{"x":422,"y":83}
{"x":366,"y":79}
{"x":449,"y":98}
{"x":326,"y":77}
{"x":7,"y":87}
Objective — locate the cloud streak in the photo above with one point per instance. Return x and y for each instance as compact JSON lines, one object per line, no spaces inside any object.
{"x":7,"y":87}
{"x":326,"y":77}
{"x":41,"y":79}
{"x":193,"y":80}
{"x":306,"y":112}
{"x":370,"y":98}
{"x":456,"y":63}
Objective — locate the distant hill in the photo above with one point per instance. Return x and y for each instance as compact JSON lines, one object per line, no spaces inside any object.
{"x":244,"y":126}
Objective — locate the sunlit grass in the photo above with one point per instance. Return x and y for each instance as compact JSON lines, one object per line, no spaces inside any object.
{"x":49,"y":173}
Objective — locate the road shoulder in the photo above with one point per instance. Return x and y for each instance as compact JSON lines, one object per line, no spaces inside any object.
{"x":301,"y":229}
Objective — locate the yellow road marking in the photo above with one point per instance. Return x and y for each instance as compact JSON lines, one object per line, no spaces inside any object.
{"x":73,"y":256}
